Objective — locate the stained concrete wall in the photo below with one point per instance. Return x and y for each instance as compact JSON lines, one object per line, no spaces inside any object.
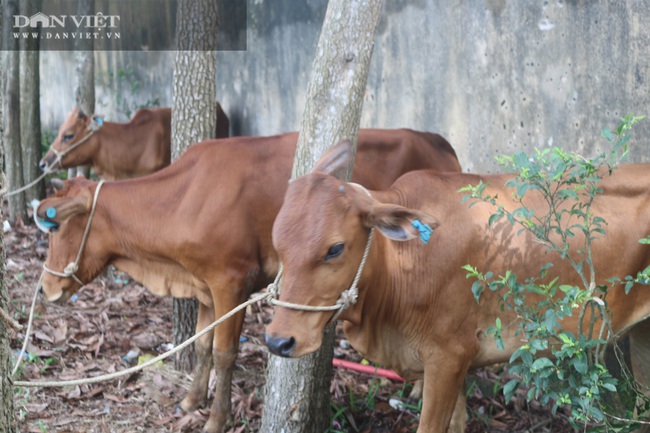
{"x":493,"y":76}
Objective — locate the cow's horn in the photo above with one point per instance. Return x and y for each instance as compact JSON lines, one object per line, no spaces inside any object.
{"x":57,"y":184}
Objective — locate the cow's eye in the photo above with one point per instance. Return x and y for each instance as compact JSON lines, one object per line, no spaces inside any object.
{"x":68,"y":137}
{"x":335,"y":251}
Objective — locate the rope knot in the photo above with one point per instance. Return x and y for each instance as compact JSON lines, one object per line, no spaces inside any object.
{"x":273,"y":290}
{"x":347,"y":298}
{"x":71,"y":269}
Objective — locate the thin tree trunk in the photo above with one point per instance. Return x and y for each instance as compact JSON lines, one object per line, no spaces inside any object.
{"x":194,"y":118}
{"x":13,"y":153}
{"x":7,"y":423}
{"x":30,"y":107}
{"x":297,"y":391}
{"x":85,"y":73}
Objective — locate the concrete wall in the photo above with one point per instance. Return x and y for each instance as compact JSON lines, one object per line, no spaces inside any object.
{"x":493,"y":76}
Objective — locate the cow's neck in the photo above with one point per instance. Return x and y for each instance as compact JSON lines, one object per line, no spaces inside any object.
{"x":382,"y":340}
{"x":138,"y":245}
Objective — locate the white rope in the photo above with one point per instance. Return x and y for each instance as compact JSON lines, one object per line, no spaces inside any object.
{"x":128,"y":371}
{"x":29,"y":328}
{"x":47,"y":171}
{"x":71,"y":268}
{"x":346,"y":299}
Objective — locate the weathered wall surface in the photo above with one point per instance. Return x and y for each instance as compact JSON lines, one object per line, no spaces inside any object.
{"x":493,"y":76}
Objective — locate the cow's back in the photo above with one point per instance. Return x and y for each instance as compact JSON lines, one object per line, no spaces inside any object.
{"x":230,"y":190}
{"x":393,"y":152}
{"x":466,"y":237}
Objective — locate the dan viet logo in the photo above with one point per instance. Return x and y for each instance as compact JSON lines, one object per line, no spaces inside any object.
{"x":98,"y":26}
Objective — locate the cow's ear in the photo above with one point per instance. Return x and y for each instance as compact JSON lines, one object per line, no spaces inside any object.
{"x":59,"y":209}
{"x":401,"y":224}
{"x":81,"y":114}
{"x":337,"y":160}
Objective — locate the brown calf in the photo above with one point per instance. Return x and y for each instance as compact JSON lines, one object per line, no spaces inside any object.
{"x":202,"y":228}
{"x":415,"y":311}
{"x":119,"y":150}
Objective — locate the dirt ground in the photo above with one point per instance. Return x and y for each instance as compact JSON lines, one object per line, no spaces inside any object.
{"x":93,"y":333}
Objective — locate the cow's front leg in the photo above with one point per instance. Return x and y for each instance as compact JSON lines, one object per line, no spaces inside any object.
{"x":443,"y":379}
{"x":198,"y":392}
{"x":226,"y":344}
{"x":459,"y":418}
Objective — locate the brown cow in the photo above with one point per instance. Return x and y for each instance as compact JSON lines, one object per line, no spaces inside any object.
{"x":415,"y":312}
{"x":202,"y":228}
{"x":119,"y":150}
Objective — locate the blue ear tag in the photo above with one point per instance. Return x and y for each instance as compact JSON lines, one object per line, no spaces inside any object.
{"x":43,"y":224}
{"x":98,"y":120}
{"x":424,"y":229}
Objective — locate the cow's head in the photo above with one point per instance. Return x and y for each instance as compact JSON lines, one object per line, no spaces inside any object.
{"x":320,"y":235}
{"x":64,"y":216}
{"x":75,"y":129}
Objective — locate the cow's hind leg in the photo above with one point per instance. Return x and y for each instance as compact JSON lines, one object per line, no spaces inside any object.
{"x":226,"y":344}
{"x":198,"y":392}
{"x":640,"y":359}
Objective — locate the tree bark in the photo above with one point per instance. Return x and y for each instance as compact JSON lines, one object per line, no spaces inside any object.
{"x":13,"y":152}
{"x":7,"y":416}
{"x":194,"y":119}
{"x":30,"y":108}
{"x":85,"y":73}
{"x":297,"y":391}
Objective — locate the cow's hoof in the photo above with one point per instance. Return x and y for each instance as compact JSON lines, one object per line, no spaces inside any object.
{"x":214,"y":426}
{"x":416,"y":391}
{"x":190,"y":404}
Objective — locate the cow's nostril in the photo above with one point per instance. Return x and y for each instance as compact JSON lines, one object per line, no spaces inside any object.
{"x":280,"y":346}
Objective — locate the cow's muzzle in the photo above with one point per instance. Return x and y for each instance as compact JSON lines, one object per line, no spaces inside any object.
{"x":280,"y":346}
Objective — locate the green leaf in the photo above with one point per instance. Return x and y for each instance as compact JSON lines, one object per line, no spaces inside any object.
{"x":541,"y":363}
{"x":580,"y":364}
{"x":609,"y":386}
{"x":510,"y":388}
{"x":477,"y":289}
{"x":494,"y":218}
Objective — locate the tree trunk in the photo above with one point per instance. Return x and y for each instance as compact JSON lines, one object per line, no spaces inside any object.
{"x":30,"y":108}
{"x":85,"y":72}
{"x":13,"y":152}
{"x":297,"y":391}
{"x":6,"y":389}
{"x":194,"y":118}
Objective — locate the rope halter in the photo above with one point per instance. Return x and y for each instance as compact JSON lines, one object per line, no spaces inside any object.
{"x":346,"y":299}
{"x":70,"y":271}
{"x":96,"y":122}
